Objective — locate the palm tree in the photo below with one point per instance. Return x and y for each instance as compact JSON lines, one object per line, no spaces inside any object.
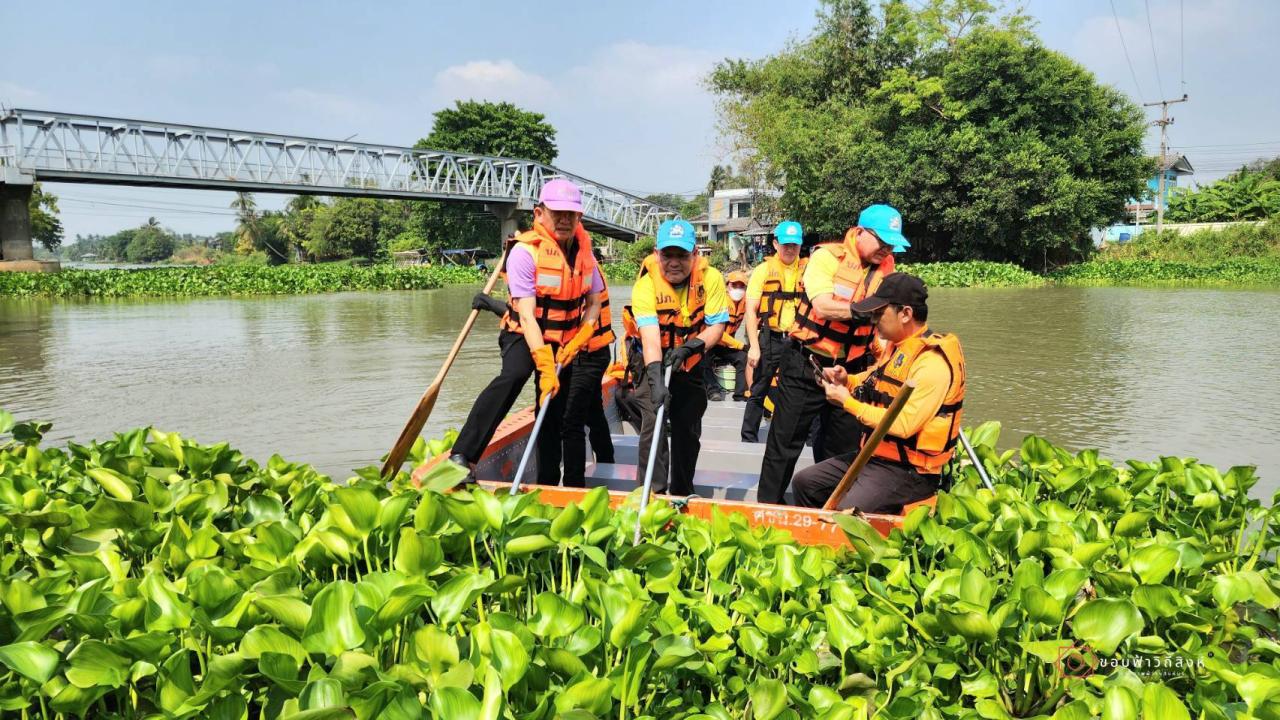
{"x":247,"y":230}
{"x":719,"y":176}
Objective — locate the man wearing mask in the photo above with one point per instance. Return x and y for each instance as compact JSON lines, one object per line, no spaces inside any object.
{"x":555,"y":287}
{"x":679,"y":307}
{"x":827,"y":333}
{"x":772,"y":296}
{"x":730,"y":350}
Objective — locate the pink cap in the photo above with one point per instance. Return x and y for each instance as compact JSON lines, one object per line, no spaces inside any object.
{"x":561,"y":194}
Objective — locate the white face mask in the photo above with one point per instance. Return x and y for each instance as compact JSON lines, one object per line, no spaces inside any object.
{"x":737,"y":293}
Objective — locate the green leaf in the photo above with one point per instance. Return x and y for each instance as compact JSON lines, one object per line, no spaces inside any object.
{"x":1133,"y":523}
{"x":1036,"y":451}
{"x":271,"y":639}
{"x":31,"y":660}
{"x":768,"y":699}
{"x":969,"y":625}
{"x":1159,"y":701}
{"x":444,"y":476}
{"x":333,"y":627}
{"x":1104,"y":623}
{"x":528,"y":544}
{"x":112,"y":482}
{"x":1153,"y":563}
{"x":455,"y":596}
{"x":94,"y":664}
{"x":509,"y":657}
{"x":417,"y":554}
{"x":1160,"y":601}
{"x":1041,"y":606}
{"x":841,"y":632}
{"x":165,"y":610}
{"x":567,"y":523}
{"x":556,"y":617}
{"x":361,"y":507}
{"x":595,"y":695}
{"x":290,"y":612}
{"x":1118,"y":703}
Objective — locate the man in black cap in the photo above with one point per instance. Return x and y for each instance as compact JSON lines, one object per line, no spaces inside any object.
{"x":907,"y":465}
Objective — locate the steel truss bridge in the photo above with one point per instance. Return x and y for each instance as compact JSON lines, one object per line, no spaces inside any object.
{"x":59,"y":147}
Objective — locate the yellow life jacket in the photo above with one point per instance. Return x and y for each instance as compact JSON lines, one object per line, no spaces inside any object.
{"x":561,"y":289}
{"x":844,"y":341}
{"x":737,"y":309}
{"x":928,"y":450}
{"x":774,"y":296}
{"x":670,"y":311}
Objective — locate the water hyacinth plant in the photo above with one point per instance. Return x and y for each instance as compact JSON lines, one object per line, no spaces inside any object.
{"x":151,"y":576}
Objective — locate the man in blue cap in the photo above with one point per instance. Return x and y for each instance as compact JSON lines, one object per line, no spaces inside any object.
{"x":772,"y":294}
{"x":828,"y":333}
{"x":680,"y":309}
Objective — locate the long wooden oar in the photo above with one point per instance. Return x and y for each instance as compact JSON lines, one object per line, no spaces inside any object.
{"x":531,"y":441}
{"x":653,"y":453}
{"x":428,"y":400}
{"x":973,"y":457}
{"x":869,"y":447}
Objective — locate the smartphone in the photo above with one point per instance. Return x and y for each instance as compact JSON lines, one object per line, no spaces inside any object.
{"x":818,"y":377}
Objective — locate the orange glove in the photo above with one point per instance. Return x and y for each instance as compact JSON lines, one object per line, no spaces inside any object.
{"x":730,"y":342}
{"x":571,"y":348}
{"x":548,"y":373}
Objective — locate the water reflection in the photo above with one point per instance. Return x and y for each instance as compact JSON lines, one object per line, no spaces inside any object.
{"x":331,"y":378}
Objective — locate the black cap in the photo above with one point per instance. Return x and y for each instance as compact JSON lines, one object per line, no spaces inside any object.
{"x":896,"y":289}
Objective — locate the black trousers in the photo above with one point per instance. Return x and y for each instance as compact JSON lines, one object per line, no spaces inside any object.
{"x":580,"y":386}
{"x":673,"y":470}
{"x":721,"y":355}
{"x":771,"y":346}
{"x":798,"y":400}
{"x":495,"y":401}
{"x":881,"y":487}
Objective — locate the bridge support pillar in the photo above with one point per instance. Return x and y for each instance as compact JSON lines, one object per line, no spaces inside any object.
{"x":508,"y":215}
{"x":16,"y":252}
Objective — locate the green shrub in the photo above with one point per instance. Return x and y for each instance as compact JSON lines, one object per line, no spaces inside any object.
{"x":973,"y":273}
{"x":1236,"y":271}
{"x":1202,"y":246}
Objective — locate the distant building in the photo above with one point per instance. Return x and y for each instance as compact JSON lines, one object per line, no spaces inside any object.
{"x":730,"y":211}
{"x":1142,"y":209}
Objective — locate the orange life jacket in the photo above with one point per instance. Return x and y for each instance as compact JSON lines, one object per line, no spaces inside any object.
{"x":845,"y":341}
{"x":928,"y":450}
{"x":603,"y":336}
{"x":667,"y":304}
{"x":561,"y":289}
{"x":774,"y":297}
{"x":737,"y":310}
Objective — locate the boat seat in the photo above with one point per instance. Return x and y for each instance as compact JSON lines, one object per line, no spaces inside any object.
{"x":715,"y":484}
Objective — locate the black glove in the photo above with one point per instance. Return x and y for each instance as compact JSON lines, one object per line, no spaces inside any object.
{"x":486,"y":302}
{"x":677,"y":356}
{"x":657,"y":391}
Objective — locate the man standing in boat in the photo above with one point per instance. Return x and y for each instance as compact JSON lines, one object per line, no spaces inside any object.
{"x":730,"y":350}
{"x":907,"y":464}
{"x":555,"y":287}
{"x":680,"y":310}
{"x":827,"y":333}
{"x":772,"y":295}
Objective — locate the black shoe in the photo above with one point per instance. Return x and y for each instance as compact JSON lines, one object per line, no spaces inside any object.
{"x":460,"y":461}
{"x":739,"y":398}
{"x":718,"y":397}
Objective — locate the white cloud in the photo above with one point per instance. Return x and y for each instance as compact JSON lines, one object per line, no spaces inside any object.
{"x":326,"y":105}
{"x":494,"y":80}
{"x":14,"y":95}
{"x":639,"y":72}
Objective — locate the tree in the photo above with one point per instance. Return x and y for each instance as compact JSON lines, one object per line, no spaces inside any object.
{"x":990,"y":144}
{"x":669,"y":200}
{"x":149,"y":243}
{"x":46,"y":227}
{"x":484,"y":128}
{"x":248,"y":231}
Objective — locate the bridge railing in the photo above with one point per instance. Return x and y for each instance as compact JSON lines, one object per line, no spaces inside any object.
{"x":110,"y":150}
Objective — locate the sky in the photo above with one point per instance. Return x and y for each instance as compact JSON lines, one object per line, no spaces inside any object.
{"x":623,"y":83}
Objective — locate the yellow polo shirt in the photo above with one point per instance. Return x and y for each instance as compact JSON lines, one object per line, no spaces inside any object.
{"x":932,"y":376}
{"x":790,"y":278}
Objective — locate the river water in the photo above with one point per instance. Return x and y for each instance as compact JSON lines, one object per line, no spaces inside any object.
{"x":330,"y":379}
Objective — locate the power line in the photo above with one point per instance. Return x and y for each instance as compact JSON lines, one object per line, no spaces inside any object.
{"x":1151,"y":33}
{"x":1182,"y":46}
{"x":1132,"y":73}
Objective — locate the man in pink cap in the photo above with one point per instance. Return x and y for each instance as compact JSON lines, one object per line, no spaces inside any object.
{"x":555,"y":288}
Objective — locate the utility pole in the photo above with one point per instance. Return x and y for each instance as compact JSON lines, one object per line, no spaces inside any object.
{"x":1164,"y":122}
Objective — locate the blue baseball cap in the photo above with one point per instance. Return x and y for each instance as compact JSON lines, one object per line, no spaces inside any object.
{"x":886,"y":223}
{"x":676,"y":233}
{"x":789,"y":232}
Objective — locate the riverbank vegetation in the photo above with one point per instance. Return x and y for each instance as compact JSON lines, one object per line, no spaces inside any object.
{"x":149,"y":575}
{"x":1237,"y":255}
{"x":231,"y":280}
{"x":1250,"y":193}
